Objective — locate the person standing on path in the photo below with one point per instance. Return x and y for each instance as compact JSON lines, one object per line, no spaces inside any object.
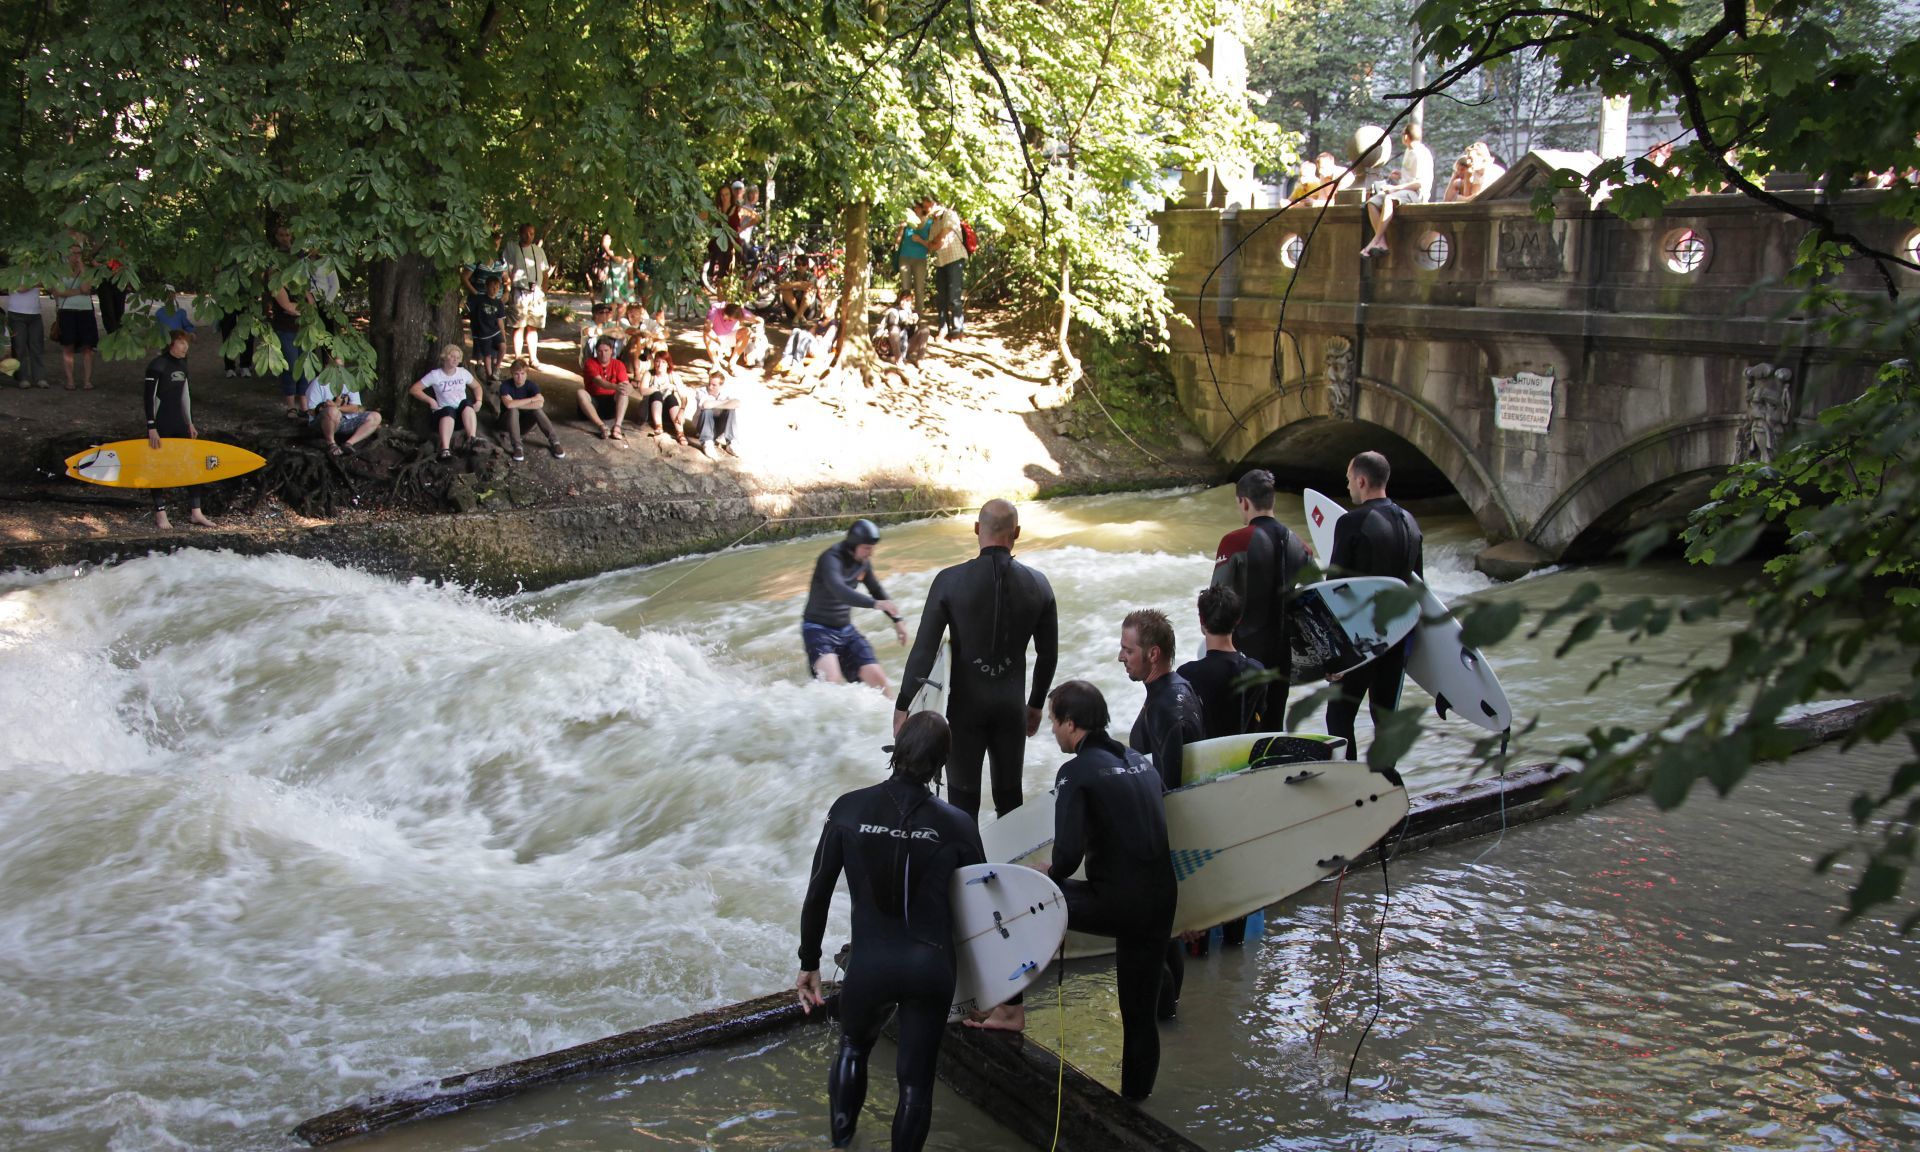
{"x":993,"y":606}
{"x":1260,"y":563}
{"x":913,"y":256}
{"x":283,"y":315}
{"x":28,"y":331}
{"x":74,"y":319}
{"x":899,"y":845}
{"x":836,"y":651}
{"x":1377,"y":538}
{"x":527,"y":268}
{"x":170,"y":414}
{"x":947,"y":246}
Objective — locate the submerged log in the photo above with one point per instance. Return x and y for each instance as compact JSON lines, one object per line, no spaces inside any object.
{"x":1017,"y":1081}
{"x":454,"y":1093}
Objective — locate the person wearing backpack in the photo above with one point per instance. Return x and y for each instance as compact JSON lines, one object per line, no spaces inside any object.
{"x":946,"y":242}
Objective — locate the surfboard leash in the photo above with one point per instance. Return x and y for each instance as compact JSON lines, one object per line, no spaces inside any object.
{"x":1379,"y":936}
{"x":1339,"y":966}
{"x":1503,"y":821}
{"x":1060,"y":1007}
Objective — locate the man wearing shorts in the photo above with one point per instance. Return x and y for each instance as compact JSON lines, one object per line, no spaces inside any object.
{"x":836,"y":651}
{"x":343,"y":423}
{"x":606,"y":392}
{"x":527,"y":270}
{"x":452,"y":392}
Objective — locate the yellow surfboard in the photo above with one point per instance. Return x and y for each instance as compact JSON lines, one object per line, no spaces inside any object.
{"x":175,"y":464}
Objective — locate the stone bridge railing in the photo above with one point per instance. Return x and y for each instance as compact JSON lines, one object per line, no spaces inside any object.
{"x":1635,"y":358}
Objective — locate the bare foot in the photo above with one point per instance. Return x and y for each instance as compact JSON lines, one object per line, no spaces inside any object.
{"x":160,"y":520}
{"x":200,"y":518}
{"x":1006,"y":1018}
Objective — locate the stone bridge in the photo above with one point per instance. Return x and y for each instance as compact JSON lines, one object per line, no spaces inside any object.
{"x":1635,"y":359}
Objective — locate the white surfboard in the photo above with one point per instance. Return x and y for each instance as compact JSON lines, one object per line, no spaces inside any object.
{"x":932,"y":696}
{"x":1240,"y":841}
{"x":1336,"y":625}
{"x":1457,"y":677}
{"x":1007,"y":925}
{"x":1205,"y":759}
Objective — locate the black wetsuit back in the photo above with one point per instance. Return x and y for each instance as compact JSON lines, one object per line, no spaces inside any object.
{"x":1109,"y":813}
{"x":899,"y":846}
{"x":1226,"y":710}
{"x":1170,"y":720}
{"x":835,"y":591}
{"x":1379,"y":538}
{"x":992,"y":606}
{"x":1274,"y":558}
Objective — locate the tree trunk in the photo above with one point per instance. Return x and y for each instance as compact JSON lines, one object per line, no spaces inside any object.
{"x":855,"y":353}
{"x":406,"y":327}
{"x":1074,"y":372}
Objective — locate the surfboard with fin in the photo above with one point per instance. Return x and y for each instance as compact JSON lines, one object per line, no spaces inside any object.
{"x":177,"y":463}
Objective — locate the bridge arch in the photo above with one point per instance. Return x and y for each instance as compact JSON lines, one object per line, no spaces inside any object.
{"x":1665,"y":471}
{"x":1298,"y":437}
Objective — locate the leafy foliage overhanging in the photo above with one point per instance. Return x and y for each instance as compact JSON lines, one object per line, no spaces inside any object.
{"x":406,"y":131}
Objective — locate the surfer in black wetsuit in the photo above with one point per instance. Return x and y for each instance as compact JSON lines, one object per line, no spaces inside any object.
{"x":899,"y":845}
{"x":1226,"y":708}
{"x":1109,"y":813}
{"x":1261,"y":562}
{"x":1377,"y":538}
{"x":992,"y":605}
{"x":836,"y":651}
{"x":170,"y":414}
{"x":1171,"y":718}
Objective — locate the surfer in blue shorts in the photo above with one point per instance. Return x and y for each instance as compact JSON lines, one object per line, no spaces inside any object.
{"x":1377,"y":538}
{"x":836,"y":651}
{"x":899,"y":845}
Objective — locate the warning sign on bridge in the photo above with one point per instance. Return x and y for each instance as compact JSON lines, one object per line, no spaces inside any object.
{"x":1523,"y":402}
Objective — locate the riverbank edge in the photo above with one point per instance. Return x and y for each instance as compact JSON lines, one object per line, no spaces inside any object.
{"x":504,"y":551}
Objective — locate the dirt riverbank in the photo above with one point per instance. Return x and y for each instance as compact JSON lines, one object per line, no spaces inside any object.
{"x":983,"y":416}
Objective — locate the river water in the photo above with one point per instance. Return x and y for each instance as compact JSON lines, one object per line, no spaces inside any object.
{"x":275,"y":834}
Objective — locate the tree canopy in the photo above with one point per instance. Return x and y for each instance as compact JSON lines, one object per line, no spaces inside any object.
{"x":394,"y":136}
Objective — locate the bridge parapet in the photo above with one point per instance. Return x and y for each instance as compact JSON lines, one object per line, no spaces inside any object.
{"x":1646,"y":339}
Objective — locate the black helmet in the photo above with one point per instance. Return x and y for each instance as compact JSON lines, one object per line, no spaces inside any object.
{"x":863,"y":532}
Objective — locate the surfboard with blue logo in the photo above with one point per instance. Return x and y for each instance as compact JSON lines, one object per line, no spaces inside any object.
{"x":1240,"y":841}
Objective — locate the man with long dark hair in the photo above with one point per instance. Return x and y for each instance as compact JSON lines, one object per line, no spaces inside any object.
{"x":899,"y":845}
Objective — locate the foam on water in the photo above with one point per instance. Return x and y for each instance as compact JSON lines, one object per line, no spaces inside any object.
{"x":275,"y":833}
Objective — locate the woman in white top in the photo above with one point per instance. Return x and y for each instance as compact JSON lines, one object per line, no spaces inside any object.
{"x":79,"y":331}
{"x":452,"y":393}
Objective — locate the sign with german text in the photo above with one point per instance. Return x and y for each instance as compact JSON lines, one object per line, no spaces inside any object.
{"x":1523,"y":402}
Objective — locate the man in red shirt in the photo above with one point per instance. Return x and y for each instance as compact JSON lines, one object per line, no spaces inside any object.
{"x":607,"y":390}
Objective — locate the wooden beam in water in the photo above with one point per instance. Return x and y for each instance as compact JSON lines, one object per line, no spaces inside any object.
{"x":1017,"y":1080}
{"x":455,"y":1093}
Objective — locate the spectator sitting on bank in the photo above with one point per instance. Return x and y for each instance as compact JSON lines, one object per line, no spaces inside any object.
{"x":666,"y":401}
{"x":1409,"y":185}
{"x":340,"y":419}
{"x":719,"y":414}
{"x":754,"y":338}
{"x":600,"y":327}
{"x":487,"y":314}
{"x":605,"y":392}
{"x":802,"y":300}
{"x":452,"y":393}
{"x":807,"y":348}
{"x":899,"y":327}
{"x":642,"y":336}
{"x":520,"y":397}
{"x":726,"y":335}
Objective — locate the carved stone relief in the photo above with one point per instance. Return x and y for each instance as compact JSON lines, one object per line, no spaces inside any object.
{"x":1530,"y":249}
{"x":1340,"y":378}
{"x":1769,"y":408}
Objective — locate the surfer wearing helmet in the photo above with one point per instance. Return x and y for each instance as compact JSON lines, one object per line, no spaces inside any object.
{"x":899,"y":845}
{"x":992,"y":606}
{"x":836,"y":651}
{"x":1377,"y":538}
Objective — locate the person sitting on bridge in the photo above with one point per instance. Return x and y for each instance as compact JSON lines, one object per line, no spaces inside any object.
{"x":1410,"y":186}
